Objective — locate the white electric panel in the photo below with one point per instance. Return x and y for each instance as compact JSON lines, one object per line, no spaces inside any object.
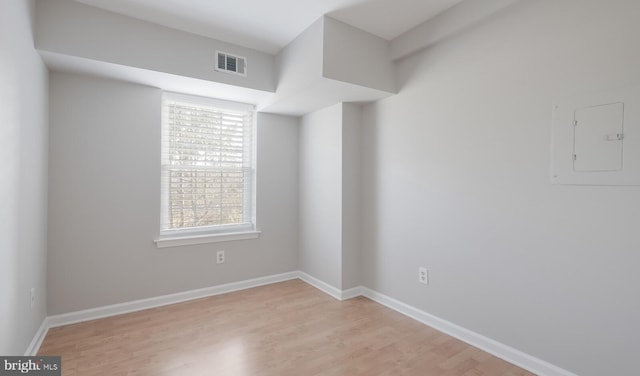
{"x":596,"y":139}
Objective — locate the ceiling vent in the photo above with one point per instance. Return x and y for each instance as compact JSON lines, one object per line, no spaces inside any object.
{"x":231,"y":63}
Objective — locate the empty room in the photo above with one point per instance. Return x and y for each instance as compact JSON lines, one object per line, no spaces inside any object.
{"x":303,"y":187}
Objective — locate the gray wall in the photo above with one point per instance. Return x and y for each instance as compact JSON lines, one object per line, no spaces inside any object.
{"x":330,"y":195}
{"x":355,"y":56}
{"x":105,"y":201}
{"x":23,"y":179}
{"x":70,"y":28}
{"x":351,"y":188}
{"x":320,"y":186}
{"x":456,"y":178}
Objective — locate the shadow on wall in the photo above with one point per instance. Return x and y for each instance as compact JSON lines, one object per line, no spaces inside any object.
{"x":369,"y":199}
{"x":422,"y":61}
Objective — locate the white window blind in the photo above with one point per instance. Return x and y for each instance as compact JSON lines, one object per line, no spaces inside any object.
{"x":208,"y":165}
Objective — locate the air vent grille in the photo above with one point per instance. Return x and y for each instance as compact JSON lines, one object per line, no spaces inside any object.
{"x":229,"y":63}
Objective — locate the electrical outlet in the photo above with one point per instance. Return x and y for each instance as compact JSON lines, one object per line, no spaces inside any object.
{"x":220,"y":257}
{"x":423,"y":275}
{"x":33,"y":296}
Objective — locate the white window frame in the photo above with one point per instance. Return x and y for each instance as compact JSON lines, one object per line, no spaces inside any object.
{"x":207,"y":234}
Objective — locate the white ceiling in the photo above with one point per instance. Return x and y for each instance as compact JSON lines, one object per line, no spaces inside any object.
{"x":269,"y":25}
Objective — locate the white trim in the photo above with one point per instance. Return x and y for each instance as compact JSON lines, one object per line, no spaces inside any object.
{"x":351,"y":293}
{"x":139,"y":305}
{"x":509,"y":354}
{"x":330,"y":290}
{"x":36,"y":342}
{"x":321,"y":285}
{"x":502,"y":351}
{"x":176,"y":241}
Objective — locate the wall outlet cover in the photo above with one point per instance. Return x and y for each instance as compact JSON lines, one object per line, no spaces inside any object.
{"x":423,"y":275}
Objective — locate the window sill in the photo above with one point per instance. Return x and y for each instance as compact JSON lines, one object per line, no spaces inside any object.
{"x":180,"y":240}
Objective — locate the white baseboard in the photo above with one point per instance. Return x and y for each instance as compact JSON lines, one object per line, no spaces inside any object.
{"x":34,"y":346}
{"x":351,"y":293}
{"x":321,"y":285}
{"x":328,"y":289}
{"x":139,"y":305}
{"x":511,"y":355}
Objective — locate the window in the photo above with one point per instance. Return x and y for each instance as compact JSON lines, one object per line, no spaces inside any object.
{"x":208,"y":169}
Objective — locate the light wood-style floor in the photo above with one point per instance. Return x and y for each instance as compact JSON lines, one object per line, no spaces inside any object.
{"x":288,"y":328}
